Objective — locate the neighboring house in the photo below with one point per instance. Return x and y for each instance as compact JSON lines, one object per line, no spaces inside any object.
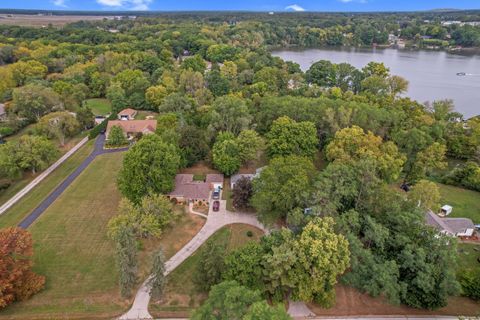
{"x":3,"y":113}
{"x":250,"y":176}
{"x":133,"y":127}
{"x":127,"y":114}
{"x":458,"y":227}
{"x":189,"y":191}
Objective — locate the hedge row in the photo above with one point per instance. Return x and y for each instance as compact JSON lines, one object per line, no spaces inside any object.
{"x":101,"y":127}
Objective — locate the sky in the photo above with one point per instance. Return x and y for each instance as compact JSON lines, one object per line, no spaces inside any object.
{"x":248,"y":5}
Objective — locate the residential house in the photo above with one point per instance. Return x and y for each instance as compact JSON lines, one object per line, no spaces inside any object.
{"x":127,"y":114}
{"x":250,"y":176}
{"x":133,"y":128}
{"x":455,"y":227}
{"x":188,"y":190}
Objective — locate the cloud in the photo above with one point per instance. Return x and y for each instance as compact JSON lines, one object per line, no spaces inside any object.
{"x":139,"y":5}
{"x":59,"y":3}
{"x":294,"y":7}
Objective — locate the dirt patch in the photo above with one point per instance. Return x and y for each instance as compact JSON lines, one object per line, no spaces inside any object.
{"x":199,"y":168}
{"x":351,"y":302}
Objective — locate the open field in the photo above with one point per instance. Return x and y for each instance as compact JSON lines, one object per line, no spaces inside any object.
{"x":465,"y":203}
{"x":28,"y":20}
{"x":181,"y":295}
{"x":32,"y":199}
{"x":100,"y":107}
{"x":73,"y":251}
{"x":351,"y":302}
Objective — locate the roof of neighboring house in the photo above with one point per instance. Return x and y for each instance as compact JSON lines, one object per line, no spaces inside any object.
{"x":448,"y":225}
{"x":127,"y":112}
{"x":2,"y":109}
{"x":187,"y":188}
{"x":459,"y":225}
{"x":133,"y":126}
{"x":214,"y":178}
{"x":234,"y":179}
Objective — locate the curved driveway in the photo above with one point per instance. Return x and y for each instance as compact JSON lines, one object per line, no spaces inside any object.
{"x":215,"y":221}
{"x":98,"y":150}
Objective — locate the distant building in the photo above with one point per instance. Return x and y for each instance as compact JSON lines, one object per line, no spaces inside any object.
{"x":455,"y":227}
{"x":446,"y":210}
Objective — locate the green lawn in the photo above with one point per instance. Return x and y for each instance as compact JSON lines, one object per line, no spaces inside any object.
{"x":72,"y":250}
{"x":32,"y":199}
{"x":181,"y":295}
{"x":465,"y":203}
{"x":143,"y":114}
{"x":468,"y":254}
{"x":100,"y":107}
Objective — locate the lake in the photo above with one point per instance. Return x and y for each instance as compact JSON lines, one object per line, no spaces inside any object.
{"x":432,"y":75}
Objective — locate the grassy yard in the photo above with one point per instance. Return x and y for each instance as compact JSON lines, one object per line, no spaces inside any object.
{"x":465,"y":203}
{"x":468,"y":254}
{"x":143,"y":114}
{"x":100,"y":107}
{"x":181,"y":295}
{"x":32,"y":199}
{"x":73,"y":251}
{"x":227,"y":194}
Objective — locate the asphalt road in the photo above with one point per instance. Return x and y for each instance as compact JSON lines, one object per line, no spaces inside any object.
{"x":98,"y":150}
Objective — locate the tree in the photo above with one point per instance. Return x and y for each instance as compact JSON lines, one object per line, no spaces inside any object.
{"x":283,"y":185}
{"x":33,"y":101}
{"x":322,"y":257}
{"x":176,"y":103}
{"x":24,"y":71}
{"x":17,"y":280}
{"x":195,"y":63}
{"x":470,"y":282}
{"x":193,"y":143}
{"x":157,"y":280}
{"x":242,"y":192}
{"x":376,"y":69}
{"x":321,"y":73}
{"x":210,"y":267}
{"x":148,"y":167}
{"x":353,"y":144}
{"x":35,"y":153}
{"x":262,"y":311}
{"x":427,"y":160}
{"x":288,"y":137}
{"x":249,"y":143}
{"x":126,"y":256}
{"x":225,"y":156}
{"x":231,"y":114}
{"x":59,"y":124}
{"x":116,"y":94}
{"x":217,"y":84}
{"x":425,"y":194}
{"x":155,"y":95}
{"x":134,"y":83}
{"x":228,"y":300}
{"x":245,"y":266}
{"x":116,"y":137}
{"x":85,"y":118}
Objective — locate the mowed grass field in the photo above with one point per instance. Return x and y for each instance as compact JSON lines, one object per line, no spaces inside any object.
{"x":72,"y":250}
{"x":30,"y":20}
{"x":32,"y":199}
{"x":465,"y":203}
{"x":100,"y":107}
{"x":181,"y":296}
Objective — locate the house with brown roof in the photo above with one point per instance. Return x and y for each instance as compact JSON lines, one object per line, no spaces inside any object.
{"x":127,"y":114}
{"x":455,"y":227}
{"x":133,"y":128}
{"x":188,"y":190}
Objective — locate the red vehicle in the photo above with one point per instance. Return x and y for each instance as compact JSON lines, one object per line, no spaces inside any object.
{"x":216,"y":206}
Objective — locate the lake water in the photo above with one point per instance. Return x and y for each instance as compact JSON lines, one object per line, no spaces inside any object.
{"x":432,"y":75}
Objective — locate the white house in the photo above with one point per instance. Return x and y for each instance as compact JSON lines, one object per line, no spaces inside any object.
{"x":456,"y":227}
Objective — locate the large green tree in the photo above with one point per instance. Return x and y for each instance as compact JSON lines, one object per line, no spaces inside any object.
{"x":149,"y":166}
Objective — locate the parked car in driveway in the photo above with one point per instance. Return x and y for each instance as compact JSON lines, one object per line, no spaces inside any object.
{"x":216,"y":194}
{"x":216,"y":206}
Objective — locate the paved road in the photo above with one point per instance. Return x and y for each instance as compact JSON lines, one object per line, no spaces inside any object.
{"x":215,"y":221}
{"x":98,"y":150}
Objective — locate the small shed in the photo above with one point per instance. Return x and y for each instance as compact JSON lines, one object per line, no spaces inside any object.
{"x":446,"y":210}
